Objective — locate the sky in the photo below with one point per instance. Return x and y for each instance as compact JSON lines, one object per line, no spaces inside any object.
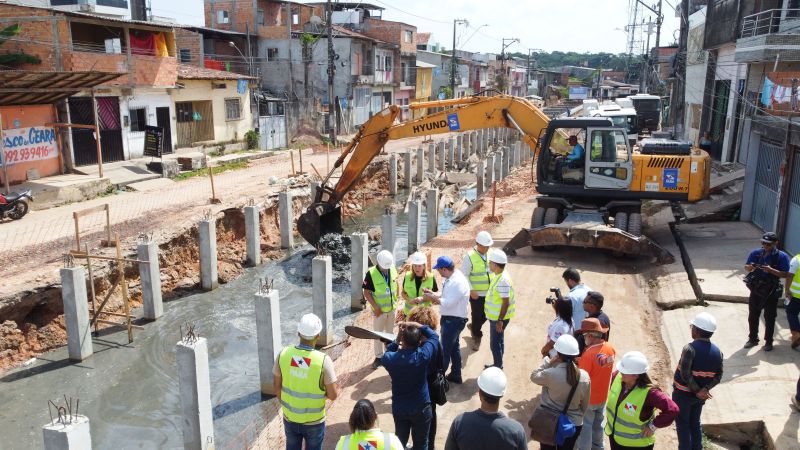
{"x":564,"y":25}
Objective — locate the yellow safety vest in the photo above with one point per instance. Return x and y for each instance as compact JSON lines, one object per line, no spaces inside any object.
{"x":794,"y":288}
{"x":302,"y":399}
{"x":479,"y":275}
{"x":622,"y":418}
{"x":384,"y":295}
{"x":410,"y":287}
{"x":371,"y":439}
{"x":494,"y":301}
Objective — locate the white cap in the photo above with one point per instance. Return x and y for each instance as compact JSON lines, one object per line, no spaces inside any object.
{"x":567,"y":345}
{"x":484,"y":239}
{"x":417,"y":258}
{"x":493,"y":381}
{"x":633,"y":363}
{"x":385,"y":259}
{"x":498,"y":256}
{"x":705,"y":322}
{"x":309,"y":326}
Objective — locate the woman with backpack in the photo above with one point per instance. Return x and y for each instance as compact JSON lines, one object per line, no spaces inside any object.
{"x":557,"y":421}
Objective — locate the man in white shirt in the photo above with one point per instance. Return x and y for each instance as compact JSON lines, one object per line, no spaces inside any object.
{"x":577,"y":293}
{"x":453,"y":302}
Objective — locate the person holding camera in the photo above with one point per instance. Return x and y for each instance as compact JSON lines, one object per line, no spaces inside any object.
{"x":561,"y":325}
{"x":406,"y":359}
{"x":765,"y":266}
{"x":577,"y":293}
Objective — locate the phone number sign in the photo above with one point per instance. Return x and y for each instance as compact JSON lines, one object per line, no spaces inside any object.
{"x":28,"y":144}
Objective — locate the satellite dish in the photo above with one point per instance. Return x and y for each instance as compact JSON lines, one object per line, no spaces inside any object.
{"x":316,"y":20}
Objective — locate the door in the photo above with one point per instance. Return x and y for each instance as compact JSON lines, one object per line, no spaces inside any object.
{"x":792,"y":238}
{"x":361,"y":100}
{"x":83,"y":140}
{"x":608,"y":159}
{"x":272,"y":132}
{"x":163,"y":121}
{"x":84,"y":147}
{"x":765,"y":195}
{"x":719,"y":117}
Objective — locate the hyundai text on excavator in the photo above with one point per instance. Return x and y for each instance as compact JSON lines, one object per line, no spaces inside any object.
{"x":594,"y":201}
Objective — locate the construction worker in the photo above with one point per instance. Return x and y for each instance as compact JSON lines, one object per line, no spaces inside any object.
{"x":575,"y":157}
{"x":768,"y":266}
{"x":415,"y":282}
{"x":577,"y":293}
{"x":476,"y":267}
{"x":380,"y":290}
{"x":792,"y":302}
{"x":499,"y":306}
{"x":699,"y":370}
{"x":598,"y":361}
{"x":364,"y":434}
{"x":632,"y":400}
{"x":304,"y":378}
{"x":487,"y":427}
{"x":453,"y":307}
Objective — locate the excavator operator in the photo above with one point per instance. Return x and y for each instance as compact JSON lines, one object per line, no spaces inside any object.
{"x":569,"y":165}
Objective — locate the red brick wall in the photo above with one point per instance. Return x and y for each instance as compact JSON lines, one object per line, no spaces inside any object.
{"x":392,"y":32}
{"x":154,"y":71}
{"x":185,"y":39}
{"x":276,"y":19}
{"x":36,"y":37}
{"x":240,"y":14}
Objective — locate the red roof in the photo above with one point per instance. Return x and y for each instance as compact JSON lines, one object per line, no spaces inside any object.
{"x":187,"y":72}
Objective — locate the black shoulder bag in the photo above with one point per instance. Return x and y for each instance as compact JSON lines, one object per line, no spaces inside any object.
{"x":437,"y":384}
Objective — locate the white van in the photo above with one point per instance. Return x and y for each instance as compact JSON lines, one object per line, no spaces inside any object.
{"x":590,"y":105}
{"x":621,"y":117}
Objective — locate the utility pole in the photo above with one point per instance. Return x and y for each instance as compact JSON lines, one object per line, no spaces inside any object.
{"x":503,"y":61}
{"x":676,"y":104}
{"x":331,"y":69}
{"x":453,"y":58}
{"x":646,"y":62}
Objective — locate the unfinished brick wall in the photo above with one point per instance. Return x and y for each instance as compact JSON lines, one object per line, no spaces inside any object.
{"x":393,"y":33}
{"x":36,"y":35}
{"x":241,"y":15}
{"x":192,"y":41}
{"x":155,"y":71}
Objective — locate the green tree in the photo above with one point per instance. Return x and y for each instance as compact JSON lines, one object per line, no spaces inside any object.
{"x":15,"y":58}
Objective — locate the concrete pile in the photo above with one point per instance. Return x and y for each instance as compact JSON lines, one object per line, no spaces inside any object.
{"x":449,"y":186}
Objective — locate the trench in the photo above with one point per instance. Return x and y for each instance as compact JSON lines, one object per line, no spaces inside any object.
{"x":130,"y":391}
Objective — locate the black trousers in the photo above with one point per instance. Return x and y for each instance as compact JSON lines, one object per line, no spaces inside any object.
{"x":478,"y":316}
{"x":568,"y":444}
{"x":432,"y":430}
{"x":769,"y":304}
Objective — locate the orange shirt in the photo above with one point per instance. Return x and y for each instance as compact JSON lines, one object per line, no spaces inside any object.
{"x":598,"y":361}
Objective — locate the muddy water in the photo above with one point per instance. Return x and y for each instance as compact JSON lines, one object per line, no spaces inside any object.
{"x":130,"y":391}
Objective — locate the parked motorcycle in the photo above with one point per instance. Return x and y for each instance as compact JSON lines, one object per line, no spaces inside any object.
{"x":15,"y":205}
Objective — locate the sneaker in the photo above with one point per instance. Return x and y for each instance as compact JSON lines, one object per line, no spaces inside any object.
{"x":795,"y":403}
{"x":486,"y":366}
{"x":453,"y":379}
{"x":376,"y":363}
{"x":476,"y":344}
{"x":768,"y":347}
{"x":750,"y":344}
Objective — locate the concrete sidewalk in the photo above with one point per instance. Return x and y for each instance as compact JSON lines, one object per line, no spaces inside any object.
{"x":756,"y":386}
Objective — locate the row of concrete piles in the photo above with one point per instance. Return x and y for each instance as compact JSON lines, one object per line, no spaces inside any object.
{"x":494,"y":163}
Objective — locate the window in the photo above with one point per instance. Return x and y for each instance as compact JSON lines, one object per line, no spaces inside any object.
{"x":260,"y":16}
{"x":138,"y":119}
{"x":403,"y":72}
{"x":295,"y":19}
{"x":233,"y":110}
{"x":609,"y":146}
{"x":222,"y":17}
{"x":408,"y":36}
{"x":185,"y":55}
{"x":272,"y":54}
{"x":388,"y":63}
{"x":184,"y":111}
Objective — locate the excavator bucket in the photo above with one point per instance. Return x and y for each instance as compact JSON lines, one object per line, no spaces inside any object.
{"x":588,"y":230}
{"x":319,"y":220}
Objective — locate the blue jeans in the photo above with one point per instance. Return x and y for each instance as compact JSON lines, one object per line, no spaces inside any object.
{"x":591,"y":437}
{"x":296,"y":433}
{"x":417,"y":424}
{"x":451,"y":334}
{"x":792,"y":311}
{"x":497,"y":342}
{"x":690,"y":432}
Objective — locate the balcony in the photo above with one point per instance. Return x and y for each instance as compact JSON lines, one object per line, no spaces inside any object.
{"x":767,"y":34}
{"x":83,"y":61}
{"x":363,"y":79}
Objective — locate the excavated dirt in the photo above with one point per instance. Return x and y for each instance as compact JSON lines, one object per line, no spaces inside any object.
{"x":371,"y":188}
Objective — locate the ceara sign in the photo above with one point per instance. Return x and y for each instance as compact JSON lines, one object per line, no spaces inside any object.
{"x":28,"y":144}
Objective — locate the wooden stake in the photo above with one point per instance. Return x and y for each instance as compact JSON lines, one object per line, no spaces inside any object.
{"x":300,"y":152}
{"x":291,"y":154}
{"x":124,"y":286}
{"x":77,"y":231}
{"x":328,"y":157}
{"x":494,"y":196}
{"x":91,"y":281}
{"x":97,"y":136}
{"x":213,"y":199}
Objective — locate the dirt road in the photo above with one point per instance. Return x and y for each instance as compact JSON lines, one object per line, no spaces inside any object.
{"x":635,"y":325}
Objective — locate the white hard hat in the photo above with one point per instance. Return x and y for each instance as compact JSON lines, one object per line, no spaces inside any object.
{"x":385,"y":259}
{"x":417,"y":258}
{"x":493,"y":381}
{"x":705,"y":322}
{"x":567,"y":345}
{"x":309,"y":326}
{"x":498,"y":256}
{"x":484,"y":238}
{"x":633,"y":363}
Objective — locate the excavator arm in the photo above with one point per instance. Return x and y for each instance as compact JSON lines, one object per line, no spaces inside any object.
{"x":464,"y":114}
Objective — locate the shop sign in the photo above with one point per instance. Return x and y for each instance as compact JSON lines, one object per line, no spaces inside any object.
{"x":29,"y":144}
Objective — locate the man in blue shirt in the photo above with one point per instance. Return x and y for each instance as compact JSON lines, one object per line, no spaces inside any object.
{"x":768,"y":266}
{"x":575,"y":157}
{"x":407,"y":364}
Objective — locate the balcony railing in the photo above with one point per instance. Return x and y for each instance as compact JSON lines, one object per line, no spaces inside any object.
{"x":769,"y":21}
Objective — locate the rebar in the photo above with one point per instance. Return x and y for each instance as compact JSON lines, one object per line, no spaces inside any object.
{"x":190,"y":337}
{"x":69,"y":261}
{"x":265,"y":285}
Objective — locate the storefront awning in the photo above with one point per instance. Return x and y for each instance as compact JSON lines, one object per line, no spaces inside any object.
{"x":24,"y":87}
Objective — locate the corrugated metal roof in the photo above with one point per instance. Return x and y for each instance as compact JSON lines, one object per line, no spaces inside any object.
{"x":188,"y":72}
{"x":24,"y":87}
{"x":167,"y":26}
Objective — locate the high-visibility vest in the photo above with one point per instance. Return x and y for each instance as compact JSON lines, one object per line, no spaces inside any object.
{"x":385,"y":295}
{"x":494,"y":301}
{"x":622,"y":417}
{"x":479,"y":275}
{"x":302,"y":399}
{"x":410,"y":288}
{"x":794,"y":288}
{"x":370,"y":439}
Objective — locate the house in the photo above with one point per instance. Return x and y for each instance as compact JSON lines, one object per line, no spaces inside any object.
{"x":160,"y":11}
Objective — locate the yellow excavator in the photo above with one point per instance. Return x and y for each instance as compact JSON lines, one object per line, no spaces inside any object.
{"x":590,"y":182}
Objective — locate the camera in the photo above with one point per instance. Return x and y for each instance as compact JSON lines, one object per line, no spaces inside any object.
{"x":550,"y":299}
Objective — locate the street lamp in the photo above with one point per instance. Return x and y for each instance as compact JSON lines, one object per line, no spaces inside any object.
{"x":503,"y":60}
{"x":246,"y":60}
